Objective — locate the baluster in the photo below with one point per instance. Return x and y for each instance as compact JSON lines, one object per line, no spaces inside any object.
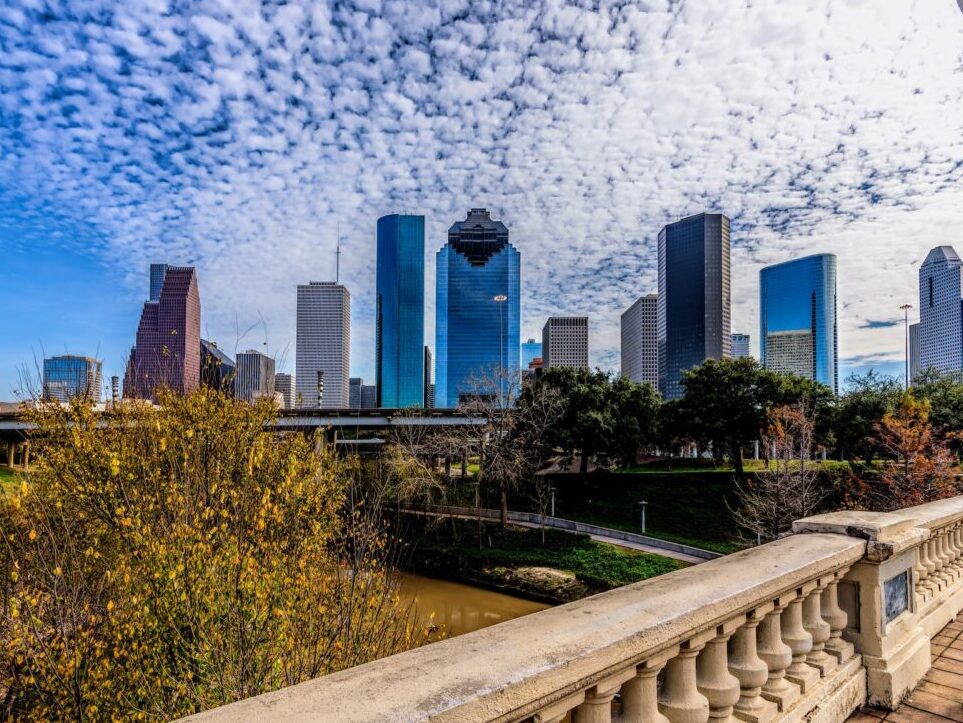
{"x":597,"y":706}
{"x":801,"y":643}
{"x":837,"y":619}
{"x":640,"y":695}
{"x":953,"y":552}
{"x":819,"y":629}
{"x":556,"y":712}
{"x":752,"y":673}
{"x":920,"y":569}
{"x":936,"y":556}
{"x":680,"y":700}
{"x":929,"y":583}
{"x":777,"y":656}
{"x":719,"y":686}
{"x":957,"y":547}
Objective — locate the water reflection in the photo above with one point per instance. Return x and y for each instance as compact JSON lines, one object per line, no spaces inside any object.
{"x":461,"y":608}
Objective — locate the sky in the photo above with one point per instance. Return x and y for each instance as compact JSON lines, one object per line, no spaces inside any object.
{"x":239,"y":136}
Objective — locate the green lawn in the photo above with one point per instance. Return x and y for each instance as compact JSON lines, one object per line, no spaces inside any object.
{"x":8,"y":478}
{"x":596,"y":566}
{"x":692,"y":508}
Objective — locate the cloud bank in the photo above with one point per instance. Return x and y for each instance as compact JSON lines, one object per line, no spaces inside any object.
{"x":238,"y":135}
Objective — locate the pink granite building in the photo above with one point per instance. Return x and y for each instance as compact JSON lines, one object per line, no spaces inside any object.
{"x":167,"y":352}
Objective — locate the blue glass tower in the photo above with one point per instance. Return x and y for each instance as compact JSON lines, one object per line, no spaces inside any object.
{"x":531,"y":350}
{"x":797,"y":318}
{"x":477,"y":322}
{"x":692,"y":316}
{"x":400,"y":312}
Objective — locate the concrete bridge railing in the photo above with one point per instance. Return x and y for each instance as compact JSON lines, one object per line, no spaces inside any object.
{"x":805,"y":628}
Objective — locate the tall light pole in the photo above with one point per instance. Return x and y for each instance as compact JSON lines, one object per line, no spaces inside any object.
{"x":906,"y":308}
{"x":500,"y":299}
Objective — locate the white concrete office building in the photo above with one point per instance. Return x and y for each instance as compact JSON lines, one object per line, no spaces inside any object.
{"x":790,"y":352}
{"x":740,"y":345}
{"x":640,"y":347}
{"x":322,"y":357}
{"x":565,"y":342}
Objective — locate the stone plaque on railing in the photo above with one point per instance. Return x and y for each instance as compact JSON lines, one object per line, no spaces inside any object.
{"x":896,"y":596}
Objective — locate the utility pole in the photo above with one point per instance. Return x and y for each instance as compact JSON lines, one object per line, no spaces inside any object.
{"x":906,"y":308}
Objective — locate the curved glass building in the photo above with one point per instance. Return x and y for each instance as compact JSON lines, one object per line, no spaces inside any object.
{"x":797,"y":318}
{"x":477,"y":311}
{"x":400,"y":312}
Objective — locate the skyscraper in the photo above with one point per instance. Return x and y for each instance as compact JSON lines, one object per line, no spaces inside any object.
{"x":531,"y":350}
{"x":400,"y":311}
{"x":167,"y":352}
{"x":797,"y":318}
{"x":69,"y":377}
{"x":941,"y":318}
{"x":323,"y":344}
{"x":255,"y":376}
{"x":284,"y":385}
{"x":429,"y":368}
{"x":565,"y":342}
{"x":477,"y":308}
{"x":157,"y":273}
{"x":217,"y":368}
{"x":693,"y":300}
{"x":740,"y":345}
{"x":639,"y":335}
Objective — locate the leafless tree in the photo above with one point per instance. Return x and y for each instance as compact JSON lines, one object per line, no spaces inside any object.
{"x":509,"y":431}
{"x":789,"y":488}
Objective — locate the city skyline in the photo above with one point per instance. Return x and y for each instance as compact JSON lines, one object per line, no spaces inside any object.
{"x":584,"y":159}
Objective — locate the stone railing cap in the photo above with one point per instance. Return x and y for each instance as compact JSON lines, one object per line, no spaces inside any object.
{"x":887,"y":533}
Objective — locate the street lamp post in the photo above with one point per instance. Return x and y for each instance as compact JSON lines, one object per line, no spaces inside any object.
{"x":642,"y":504}
{"x":906,"y":308}
{"x":553,"y":501}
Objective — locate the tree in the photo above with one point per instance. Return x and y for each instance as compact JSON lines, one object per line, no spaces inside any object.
{"x":726,"y":403}
{"x":868,"y":399}
{"x":610,"y":419}
{"x":163,"y":560}
{"x":920,"y":466}
{"x":945,"y":395}
{"x":788,"y":489}
{"x":509,"y":432}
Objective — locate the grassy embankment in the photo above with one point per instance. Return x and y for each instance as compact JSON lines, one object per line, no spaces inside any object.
{"x":563,"y":568}
{"x":8,"y":478}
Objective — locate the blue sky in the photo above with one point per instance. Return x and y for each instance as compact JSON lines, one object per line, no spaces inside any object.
{"x":237,"y":136}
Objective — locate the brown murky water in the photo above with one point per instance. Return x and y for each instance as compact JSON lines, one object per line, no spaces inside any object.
{"x":461,"y":608}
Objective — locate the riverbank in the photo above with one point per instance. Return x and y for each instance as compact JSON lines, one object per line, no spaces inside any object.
{"x":544,"y":565}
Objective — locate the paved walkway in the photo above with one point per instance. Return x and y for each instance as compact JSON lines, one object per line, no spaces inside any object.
{"x":618,"y":542}
{"x":939,"y":697}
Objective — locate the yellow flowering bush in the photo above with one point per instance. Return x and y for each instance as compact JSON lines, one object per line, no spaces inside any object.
{"x":161,"y":561}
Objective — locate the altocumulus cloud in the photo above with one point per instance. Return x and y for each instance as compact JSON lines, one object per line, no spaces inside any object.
{"x":236,"y":135}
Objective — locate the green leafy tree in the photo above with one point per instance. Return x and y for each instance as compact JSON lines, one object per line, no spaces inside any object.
{"x":868,"y":399}
{"x":945,"y":395}
{"x":610,"y":419}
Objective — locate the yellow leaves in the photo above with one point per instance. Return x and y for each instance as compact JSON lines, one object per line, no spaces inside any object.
{"x":14,"y":575}
{"x":32,"y":535}
{"x":24,"y":488}
{"x":110,"y":605}
{"x":58,"y":571}
{"x":163,"y":444}
{"x":114,"y":466}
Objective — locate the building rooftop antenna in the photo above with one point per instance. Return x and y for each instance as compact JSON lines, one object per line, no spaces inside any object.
{"x":337,"y":261}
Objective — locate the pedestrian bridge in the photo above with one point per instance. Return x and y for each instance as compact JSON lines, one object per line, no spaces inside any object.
{"x":808,"y":628}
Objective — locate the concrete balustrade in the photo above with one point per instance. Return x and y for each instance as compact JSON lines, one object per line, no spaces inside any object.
{"x":809,"y":627}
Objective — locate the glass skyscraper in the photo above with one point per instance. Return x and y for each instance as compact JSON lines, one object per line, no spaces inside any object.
{"x":797,"y":318}
{"x":70,"y":377}
{"x":477,"y":324}
{"x":693,"y":301}
{"x":400,"y":312}
{"x":531,"y":350}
